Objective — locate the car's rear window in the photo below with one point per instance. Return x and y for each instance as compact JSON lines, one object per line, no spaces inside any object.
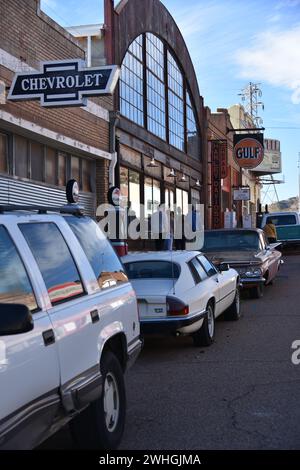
{"x":230,"y":241}
{"x":152,"y":270}
{"x":106,"y":265}
{"x":288,"y":219}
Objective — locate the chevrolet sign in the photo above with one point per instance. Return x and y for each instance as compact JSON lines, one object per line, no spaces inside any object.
{"x":64,"y":83}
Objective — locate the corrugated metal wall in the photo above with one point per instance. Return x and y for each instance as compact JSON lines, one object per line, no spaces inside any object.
{"x":18,"y":192}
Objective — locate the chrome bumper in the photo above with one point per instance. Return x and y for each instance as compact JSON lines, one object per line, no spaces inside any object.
{"x":169,"y":324}
{"x":251,"y":282}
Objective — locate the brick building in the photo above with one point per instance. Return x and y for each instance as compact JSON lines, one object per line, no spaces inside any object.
{"x":41,"y":148}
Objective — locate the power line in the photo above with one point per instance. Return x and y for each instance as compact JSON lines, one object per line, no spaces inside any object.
{"x":282,"y":127}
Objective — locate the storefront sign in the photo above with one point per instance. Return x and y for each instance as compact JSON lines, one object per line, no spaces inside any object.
{"x":241,"y":194}
{"x":64,"y":83}
{"x":223,"y":159}
{"x":216,"y":185}
{"x":248,"y":150}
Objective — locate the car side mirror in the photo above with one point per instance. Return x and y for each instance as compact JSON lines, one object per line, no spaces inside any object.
{"x":224,"y":267}
{"x":15,"y":319}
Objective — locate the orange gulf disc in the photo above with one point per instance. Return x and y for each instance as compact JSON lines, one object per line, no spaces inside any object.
{"x":248,"y":153}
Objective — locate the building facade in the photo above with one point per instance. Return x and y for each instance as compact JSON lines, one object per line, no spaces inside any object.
{"x":160,"y":133}
{"x":223,"y":174}
{"x":42,"y":148}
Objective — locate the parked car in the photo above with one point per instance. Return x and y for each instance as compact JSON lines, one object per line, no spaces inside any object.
{"x":247,"y":251}
{"x":69,"y":329}
{"x":182,"y":293}
{"x":287,"y":226}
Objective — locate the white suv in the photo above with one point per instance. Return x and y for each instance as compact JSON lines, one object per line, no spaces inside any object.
{"x":69,"y":328}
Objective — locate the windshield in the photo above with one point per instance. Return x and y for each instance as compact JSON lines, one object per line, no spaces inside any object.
{"x":288,"y":219}
{"x":152,"y":269}
{"x":231,"y":241}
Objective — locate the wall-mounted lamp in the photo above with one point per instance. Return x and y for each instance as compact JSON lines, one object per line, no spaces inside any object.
{"x":152,"y":164}
{"x":172,"y":174}
{"x":183,"y":179}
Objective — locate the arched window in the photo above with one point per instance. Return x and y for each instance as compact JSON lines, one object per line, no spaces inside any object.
{"x":154,"y":94}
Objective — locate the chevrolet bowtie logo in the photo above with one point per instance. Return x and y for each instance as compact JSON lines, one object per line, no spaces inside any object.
{"x":64,"y":83}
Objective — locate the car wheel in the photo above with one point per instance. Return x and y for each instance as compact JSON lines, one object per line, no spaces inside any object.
{"x":233,"y":313}
{"x":257,"y":292}
{"x":206,"y":334}
{"x":101,"y":425}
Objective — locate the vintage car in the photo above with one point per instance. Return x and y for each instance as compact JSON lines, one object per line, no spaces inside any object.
{"x":182,"y":293}
{"x":247,"y":251}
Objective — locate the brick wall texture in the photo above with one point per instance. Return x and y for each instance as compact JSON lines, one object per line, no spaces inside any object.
{"x":31,"y":36}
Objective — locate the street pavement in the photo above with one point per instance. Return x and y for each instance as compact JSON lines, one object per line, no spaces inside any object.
{"x":240,"y":393}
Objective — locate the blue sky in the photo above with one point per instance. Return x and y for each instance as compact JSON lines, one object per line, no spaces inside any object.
{"x":231,"y":43}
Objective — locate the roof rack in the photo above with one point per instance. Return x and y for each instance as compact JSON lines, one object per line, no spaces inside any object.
{"x":73,"y":209}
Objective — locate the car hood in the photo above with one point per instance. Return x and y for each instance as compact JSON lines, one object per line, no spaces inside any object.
{"x":234,"y":257}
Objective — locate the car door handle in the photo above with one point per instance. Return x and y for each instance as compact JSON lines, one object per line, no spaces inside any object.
{"x":49,"y":337}
{"x":95,"y":316}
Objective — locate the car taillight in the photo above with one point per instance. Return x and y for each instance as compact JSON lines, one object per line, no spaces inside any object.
{"x":176,"y":307}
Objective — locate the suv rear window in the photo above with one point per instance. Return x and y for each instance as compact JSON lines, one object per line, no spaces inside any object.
{"x":54,"y":259}
{"x":152,"y":269}
{"x":106,"y":265}
{"x":15,"y":287}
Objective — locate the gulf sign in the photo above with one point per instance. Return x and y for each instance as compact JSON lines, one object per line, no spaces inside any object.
{"x":248,"y":150}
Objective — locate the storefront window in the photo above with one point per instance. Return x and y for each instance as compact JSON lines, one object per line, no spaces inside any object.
{"x":37,"y":161}
{"x":148,"y":197}
{"x":124,"y":186}
{"x":50,"y":166}
{"x":3,"y":153}
{"x":75,"y":169}
{"x":182,"y":201}
{"x":169,"y":199}
{"x":86,"y":175}
{"x":62,"y":169}
{"x":134,"y":193}
{"x":21,"y":156}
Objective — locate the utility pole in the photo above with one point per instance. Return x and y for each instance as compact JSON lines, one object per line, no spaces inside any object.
{"x":250,"y":96}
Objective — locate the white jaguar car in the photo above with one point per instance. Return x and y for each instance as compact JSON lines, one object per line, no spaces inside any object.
{"x":182,"y":292}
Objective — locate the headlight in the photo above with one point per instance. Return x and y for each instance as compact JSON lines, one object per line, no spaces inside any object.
{"x":253,"y":272}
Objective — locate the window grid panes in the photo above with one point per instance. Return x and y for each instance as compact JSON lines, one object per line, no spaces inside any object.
{"x":161,"y":85}
{"x":193,"y":145}
{"x":131,"y":83}
{"x":176,"y":104}
{"x":156,"y":102}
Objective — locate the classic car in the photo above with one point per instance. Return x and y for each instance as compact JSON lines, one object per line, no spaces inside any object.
{"x":182,"y":293}
{"x":247,"y":251}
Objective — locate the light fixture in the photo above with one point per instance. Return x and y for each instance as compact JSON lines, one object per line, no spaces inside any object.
{"x":198,"y":184}
{"x":172,"y":174}
{"x":183,"y":179}
{"x":152,"y":164}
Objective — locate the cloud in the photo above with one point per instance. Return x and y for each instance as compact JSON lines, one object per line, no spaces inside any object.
{"x":275,"y":58}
